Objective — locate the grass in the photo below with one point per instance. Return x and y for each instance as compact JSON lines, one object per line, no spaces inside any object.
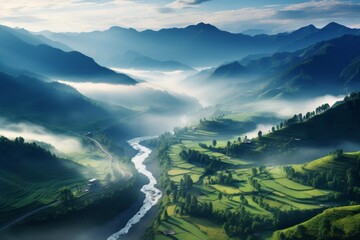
{"x":212,"y":230}
{"x":276,"y":191}
{"x":292,"y":185}
{"x":226,"y":189}
{"x":347,"y":219}
{"x":184,"y":229}
{"x":31,"y":186}
{"x":25,"y":192}
{"x":177,"y":171}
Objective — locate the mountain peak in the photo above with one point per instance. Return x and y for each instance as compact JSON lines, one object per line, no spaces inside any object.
{"x":306,"y":30}
{"x":333,"y":26}
{"x":203,"y":26}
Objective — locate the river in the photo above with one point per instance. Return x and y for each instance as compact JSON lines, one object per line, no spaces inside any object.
{"x":152,"y":194}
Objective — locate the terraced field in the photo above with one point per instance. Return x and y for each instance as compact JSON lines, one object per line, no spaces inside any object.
{"x":182,"y":228}
{"x":32,"y":186}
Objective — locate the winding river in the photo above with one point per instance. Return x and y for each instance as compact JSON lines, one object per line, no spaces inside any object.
{"x":152,"y":194}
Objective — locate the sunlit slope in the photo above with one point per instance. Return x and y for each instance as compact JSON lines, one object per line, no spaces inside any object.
{"x":337,"y":125}
{"x":52,"y":104}
{"x":334,"y":223}
{"x":31,"y":177}
{"x":53,"y":62}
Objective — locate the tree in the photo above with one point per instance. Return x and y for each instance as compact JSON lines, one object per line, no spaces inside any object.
{"x":166,"y":215}
{"x":254,"y":171}
{"x":260,"y":134}
{"x":220,"y":195}
{"x":239,"y":139}
{"x":108,"y":177}
{"x":214,"y":143}
{"x":325,"y":226}
{"x":273,"y":129}
{"x":242,"y":198}
{"x":19,"y":140}
{"x":66,"y":194}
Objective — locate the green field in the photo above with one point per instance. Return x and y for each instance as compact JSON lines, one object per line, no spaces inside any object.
{"x":184,"y":230}
{"x":250,"y":186}
{"x":344,"y":224}
{"x":32,"y":185}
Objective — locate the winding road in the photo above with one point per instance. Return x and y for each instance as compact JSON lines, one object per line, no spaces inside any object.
{"x":152,"y":194}
{"x":28,"y":215}
{"x":126,"y":174}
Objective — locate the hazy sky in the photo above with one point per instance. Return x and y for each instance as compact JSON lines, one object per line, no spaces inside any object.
{"x":231,"y":15}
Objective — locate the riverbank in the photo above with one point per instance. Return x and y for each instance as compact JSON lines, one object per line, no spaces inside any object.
{"x":152,"y":194}
{"x":94,"y":221}
{"x":138,"y":230}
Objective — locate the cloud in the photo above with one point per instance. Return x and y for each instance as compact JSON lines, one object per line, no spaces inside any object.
{"x":181,"y":4}
{"x":96,"y":1}
{"x":21,"y":19}
{"x":320,"y":10}
{"x":192,"y":2}
{"x":32,"y":132}
{"x":89,"y":15}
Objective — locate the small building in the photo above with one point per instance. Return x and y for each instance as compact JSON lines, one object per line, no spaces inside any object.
{"x":169,"y":232}
{"x":93,"y":184}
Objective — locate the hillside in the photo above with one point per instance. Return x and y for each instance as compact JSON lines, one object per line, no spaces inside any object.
{"x":197,"y":45}
{"x":137,"y":61}
{"x":51,"y":104}
{"x":336,"y":125}
{"x":333,"y":223}
{"x":53,"y":62}
{"x":34,"y":39}
{"x":325,"y":68}
{"x":31,"y":177}
{"x":329,"y":67}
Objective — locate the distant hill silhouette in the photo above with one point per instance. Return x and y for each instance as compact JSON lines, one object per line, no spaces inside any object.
{"x":50,"y":104}
{"x":328,"y":67}
{"x":53,"y":62}
{"x":196,"y":45}
{"x":137,"y":61}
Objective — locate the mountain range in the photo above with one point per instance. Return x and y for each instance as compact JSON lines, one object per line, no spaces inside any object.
{"x":195,"y":45}
{"x":327,"y":67}
{"x":24,"y":51}
{"x":51,"y":104}
{"x":134,"y":60}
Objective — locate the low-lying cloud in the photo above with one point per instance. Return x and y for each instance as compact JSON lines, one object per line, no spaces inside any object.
{"x":30,"y":132}
{"x":286,"y":108}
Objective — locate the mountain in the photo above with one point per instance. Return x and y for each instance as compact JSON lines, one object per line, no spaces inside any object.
{"x":34,"y":39}
{"x":330,"y":31}
{"x":52,"y":104}
{"x":31,"y":177}
{"x":196,"y":45}
{"x":17,"y":72}
{"x":336,"y":125}
{"x":229,"y":71}
{"x":329,"y":67}
{"x":137,"y":61}
{"x":55,"y":63}
{"x":334,"y":223}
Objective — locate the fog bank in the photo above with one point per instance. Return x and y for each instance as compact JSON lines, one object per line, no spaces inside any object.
{"x":31,"y":132}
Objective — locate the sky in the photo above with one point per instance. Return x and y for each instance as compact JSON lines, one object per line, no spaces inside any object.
{"x":230,"y":15}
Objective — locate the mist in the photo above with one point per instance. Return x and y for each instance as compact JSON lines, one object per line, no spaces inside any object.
{"x":31,"y":132}
{"x":287,"y":108}
{"x":303,"y":155}
{"x":140,"y":97}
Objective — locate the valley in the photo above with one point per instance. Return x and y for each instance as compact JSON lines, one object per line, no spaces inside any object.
{"x":188,"y":120}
